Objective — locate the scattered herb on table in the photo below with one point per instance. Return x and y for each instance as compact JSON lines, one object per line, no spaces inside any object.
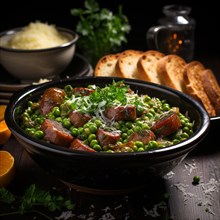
{"x":101,"y":32}
{"x":32,"y":198}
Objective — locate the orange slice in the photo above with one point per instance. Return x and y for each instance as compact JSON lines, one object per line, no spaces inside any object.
{"x":2,"y":111}
{"x":7,"y":168}
{"x":5,"y":133}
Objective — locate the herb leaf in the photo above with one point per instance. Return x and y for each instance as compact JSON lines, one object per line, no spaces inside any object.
{"x":6,"y":196}
{"x":101,"y":32}
{"x":33,"y":197}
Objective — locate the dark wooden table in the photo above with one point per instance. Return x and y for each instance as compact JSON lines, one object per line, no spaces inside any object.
{"x":186,"y":200}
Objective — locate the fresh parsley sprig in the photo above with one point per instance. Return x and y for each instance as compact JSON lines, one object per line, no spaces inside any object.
{"x":32,"y":198}
{"x":101,"y":32}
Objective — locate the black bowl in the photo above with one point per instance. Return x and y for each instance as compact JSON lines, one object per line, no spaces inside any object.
{"x":108,"y":172}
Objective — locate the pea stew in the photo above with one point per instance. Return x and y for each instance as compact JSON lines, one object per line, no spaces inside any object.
{"x":113,"y":118}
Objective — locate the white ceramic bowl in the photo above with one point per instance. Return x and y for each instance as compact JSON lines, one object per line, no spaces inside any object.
{"x":31,"y":65}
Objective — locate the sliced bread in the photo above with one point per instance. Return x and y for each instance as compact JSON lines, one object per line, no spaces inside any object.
{"x":170,"y":69}
{"x":212,"y":88}
{"x":126,"y":66}
{"x":147,"y":66}
{"x":106,"y":65}
{"x":194,"y":85}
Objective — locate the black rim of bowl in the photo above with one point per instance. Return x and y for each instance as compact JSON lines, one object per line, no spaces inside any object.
{"x":19,"y":97}
{"x":60,"y":29}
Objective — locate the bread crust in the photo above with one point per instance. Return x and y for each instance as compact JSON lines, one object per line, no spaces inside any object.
{"x":170,"y":69}
{"x":194,"y":85}
{"x":212,"y":88}
{"x":147,"y":66}
{"x":126,"y":66}
{"x":106,"y":65}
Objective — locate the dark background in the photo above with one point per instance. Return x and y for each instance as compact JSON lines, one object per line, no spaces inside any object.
{"x":142,"y":14}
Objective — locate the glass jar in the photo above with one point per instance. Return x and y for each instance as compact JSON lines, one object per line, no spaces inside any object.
{"x":174,"y":33}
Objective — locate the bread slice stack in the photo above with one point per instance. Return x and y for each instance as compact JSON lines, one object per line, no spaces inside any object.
{"x":171,"y":70}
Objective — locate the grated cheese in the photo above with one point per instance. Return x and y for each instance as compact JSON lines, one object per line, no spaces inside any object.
{"x":37,"y":35}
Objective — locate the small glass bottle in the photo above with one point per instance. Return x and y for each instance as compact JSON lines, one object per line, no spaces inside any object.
{"x":175,"y":32}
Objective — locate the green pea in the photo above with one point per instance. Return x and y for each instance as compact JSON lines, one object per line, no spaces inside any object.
{"x":50,"y":115}
{"x":196,"y":180}
{"x":81,"y":130}
{"x":29,"y":111}
{"x":91,"y":137}
{"x":66,"y":123}
{"x":139,"y":144}
{"x":186,"y":129}
{"x":128,"y":124}
{"x":97,"y":147}
{"x":39,"y":120}
{"x":152,"y":111}
{"x":189,"y":125}
{"x":137,"y":128}
{"x":73,"y":106}
{"x":56,"y":111}
{"x":30,"y":103}
{"x":190,"y":132}
{"x":93,"y":142}
{"x":145,"y":127}
{"x":130,"y":131}
{"x":83,"y":136}
{"x":74,"y":131}
{"x":152,"y":145}
{"x":125,"y":140}
{"x":28,"y":130}
{"x":138,"y":123}
{"x":98,"y":122}
{"x":59,"y":119}
{"x":68,"y":90}
{"x":124,"y":135}
{"x":184,"y":135}
{"x":87,"y":131}
{"x":149,"y":115}
{"x":32,"y":133}
{"x":147,"y":98}
{"x":25,"y":114}
{"x":141,"y":149}
{"x":124,"y":129}
{"x":166,"y":107}
{"x":93,"y":128}
{"x":135,"y":148}
{"x":176,"y":141}
{"x":117,"y":125}
{"x":39,"y":134}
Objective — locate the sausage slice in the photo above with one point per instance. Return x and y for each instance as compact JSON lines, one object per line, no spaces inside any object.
{"x":122,"y":113}
{"x":51,"y":97}
{"x":79,"y":145}
{"x":106,"y":138}
{"x":78,"y":119}
{"x":166,"y":125}
{"x":56,"y":133}
{"x":144,"y":136}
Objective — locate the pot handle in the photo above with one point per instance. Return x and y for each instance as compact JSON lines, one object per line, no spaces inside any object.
{"x":152,"y":36}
